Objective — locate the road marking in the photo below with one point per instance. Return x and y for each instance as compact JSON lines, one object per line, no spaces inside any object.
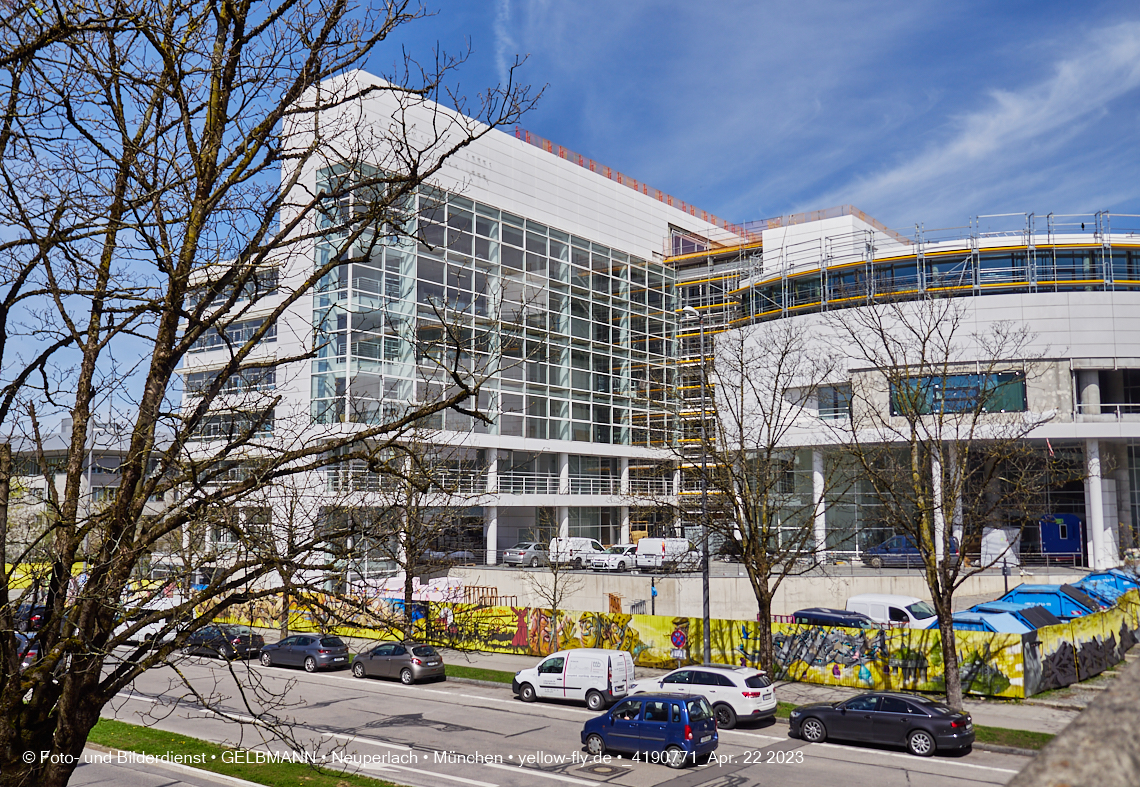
{"x":543,"y":774}
{"x":439,"y":775}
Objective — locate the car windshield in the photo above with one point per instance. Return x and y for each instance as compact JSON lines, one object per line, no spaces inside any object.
{"x":934,"y":705}
{"x":522,"y":546}
{"x":238,"y":631}
{"x":920,"y":609}
{"x":699,"y":709}
{"x":615,"y":550}
{"x":423,"y":650}
{"x":757,"y":682}
{"x":332,"y":642}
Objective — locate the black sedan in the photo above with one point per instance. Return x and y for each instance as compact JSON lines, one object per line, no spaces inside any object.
{"x":919,"y":723}
{"x":311,"y":651}
{"x":225,"y":641}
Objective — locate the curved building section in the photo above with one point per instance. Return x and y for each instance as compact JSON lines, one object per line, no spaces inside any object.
{"x":1073,"y":285}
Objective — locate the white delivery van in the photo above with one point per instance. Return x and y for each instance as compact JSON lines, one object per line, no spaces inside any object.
{"x":575,"y":551}
{"x":595,"y":676}
{"x":667,"y":554}
{"x":909,"y":611}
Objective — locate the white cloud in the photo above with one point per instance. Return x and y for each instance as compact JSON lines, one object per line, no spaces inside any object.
{"x":998,"y":149}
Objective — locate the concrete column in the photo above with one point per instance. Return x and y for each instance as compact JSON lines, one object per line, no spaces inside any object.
{"x":563,"y":521}
{"x":492,"y":518}
{"x":957,"y":527}
{"x":564,"y":474}
{"x":624,"y":487}
{"x":939,"y":514}
{"x":818,"y":490}
{"x":625,"y":525}
{"x":677,"y":481}
{"x":1094,"y":496}
{"x":493,"y":471}
{"x":1088,"y":384}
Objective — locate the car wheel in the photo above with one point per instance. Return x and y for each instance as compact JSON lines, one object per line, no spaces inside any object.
{"x":622,"y":566}
{"x":534,"y":562}
{"x":266,"y":660}
{"x":595,"y":745}
{"x":358,"y":670}
{"x":577,"y":564}
{"x":725,"y":716}
{"x":876,"y":562}
{"x":526,"y":693}
{"x":406,"y":677}
{"x":813,"y":731}
{"x":675,"y":757}
{"x":921,"y":743}
{"x":310,"y":664}
{"x":595,"y":700}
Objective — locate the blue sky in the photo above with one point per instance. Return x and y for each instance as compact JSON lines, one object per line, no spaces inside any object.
{"x":912,"y":111}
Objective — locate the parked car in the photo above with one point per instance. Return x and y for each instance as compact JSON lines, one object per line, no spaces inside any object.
{"x":526,"y":553}
{"x":823,"y":616}
{"x":923,"y":725}
{"x":678,"y":729}
{"x":898,"y":551}
{"x":576,"y":552}
{"x":30,"y":617}
{"x":409,"y":661}
{"x":311,"y":651}
{"x":226,"y":641}
{"x":735,"y":693}
{"x":620,"y":557}
{"x":667,"y":554}
{"x":593,"y":675}
{"x":28,"y":649}
{"x":890,"y":610}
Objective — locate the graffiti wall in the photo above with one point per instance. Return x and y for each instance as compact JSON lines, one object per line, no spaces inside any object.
{"x":1002,"y":665}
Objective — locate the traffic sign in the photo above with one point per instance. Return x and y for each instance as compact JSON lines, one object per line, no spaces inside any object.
{"x":679,"y":638}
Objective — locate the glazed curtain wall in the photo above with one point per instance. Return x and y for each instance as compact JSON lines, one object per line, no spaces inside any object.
{"x":1002,"y":665}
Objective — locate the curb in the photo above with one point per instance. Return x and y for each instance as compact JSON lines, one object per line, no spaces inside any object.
{"x":997,"y":749}
{"x":477,"y":682}
{"x":1054,"y":705}
{"x":177,"y":767}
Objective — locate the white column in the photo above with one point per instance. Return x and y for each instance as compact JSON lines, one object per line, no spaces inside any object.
{"x":492,"y":471}
{"x":624,"y":488}
{"x":492,"y":518}
{"x":939,"y":515}
{"x":818,"y":489}
{"x":625,"y":524}
{"x":564,"y":474}
{"x":1095,"y":496}
{"x":563,"y":521}
{"x":957,"y":527}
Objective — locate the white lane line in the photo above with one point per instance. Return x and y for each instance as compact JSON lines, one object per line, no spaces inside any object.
{"x":544,"y":774}
{"x":439,"y":775}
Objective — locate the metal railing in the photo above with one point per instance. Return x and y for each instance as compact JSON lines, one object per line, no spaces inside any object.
{"x":520,"y":483}
{"x":595,"y":485}
{"x":1109,"y":411}
{"x":651,"y":487}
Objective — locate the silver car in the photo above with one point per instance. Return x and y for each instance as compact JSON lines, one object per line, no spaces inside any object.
{"x":526,"y":553}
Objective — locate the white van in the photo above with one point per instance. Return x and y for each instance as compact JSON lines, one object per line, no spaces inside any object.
{"x":908,"y":611}
{"x":595,"y":676}
{"x":667,"y":554}
{"x":575,"y":551}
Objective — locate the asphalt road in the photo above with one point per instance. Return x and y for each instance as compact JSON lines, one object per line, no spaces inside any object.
{"x":453,"y":734}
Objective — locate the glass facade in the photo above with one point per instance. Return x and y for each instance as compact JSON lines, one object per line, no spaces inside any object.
{"x":575,"y":338}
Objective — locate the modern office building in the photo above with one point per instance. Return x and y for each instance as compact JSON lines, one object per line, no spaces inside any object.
{"x":567,"y":279}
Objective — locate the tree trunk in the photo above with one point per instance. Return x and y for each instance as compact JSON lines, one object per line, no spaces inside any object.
{"x":953,"y":677}
{"x":764,"y":648}
{"x":408,"y":621}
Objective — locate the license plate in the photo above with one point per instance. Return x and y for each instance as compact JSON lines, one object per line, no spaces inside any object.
{"x":433,"y":663}
{"x":340,"y":658}
{"x":706,"y":739}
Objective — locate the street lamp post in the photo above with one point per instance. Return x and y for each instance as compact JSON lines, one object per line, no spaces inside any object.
{"x":691,"y":313}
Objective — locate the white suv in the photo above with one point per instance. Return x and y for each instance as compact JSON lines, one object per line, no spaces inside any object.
{"x":736,"y":693}
{"x":620,"y":557}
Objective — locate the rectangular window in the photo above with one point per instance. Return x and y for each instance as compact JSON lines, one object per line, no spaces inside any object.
{"x":960,"y":393}
{"x":234,"y":334}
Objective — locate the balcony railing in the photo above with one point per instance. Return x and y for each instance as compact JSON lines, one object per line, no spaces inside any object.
{"x":516,"y":483}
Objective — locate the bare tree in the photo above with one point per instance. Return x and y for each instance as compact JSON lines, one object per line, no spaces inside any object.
{"x":552,"y":585}
{"x":767,"y":378}
{"x":939,"y":427}
{"x":158,"y":164}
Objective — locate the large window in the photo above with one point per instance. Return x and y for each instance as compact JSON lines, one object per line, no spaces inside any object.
{"x":959,"y":393}
{"x":233,"y":335}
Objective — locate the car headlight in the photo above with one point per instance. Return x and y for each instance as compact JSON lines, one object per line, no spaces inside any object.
{"x":795,"y":713}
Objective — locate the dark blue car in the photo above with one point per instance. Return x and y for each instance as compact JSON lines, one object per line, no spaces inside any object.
{"x":672,"y":729}
{"x":900,"y":552}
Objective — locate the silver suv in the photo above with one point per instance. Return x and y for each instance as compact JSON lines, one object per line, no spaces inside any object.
{"x":736,"y":693}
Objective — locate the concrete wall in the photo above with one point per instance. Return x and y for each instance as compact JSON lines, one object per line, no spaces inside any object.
{"x":731,"y":597}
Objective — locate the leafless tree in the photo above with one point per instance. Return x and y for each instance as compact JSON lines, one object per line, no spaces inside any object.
{"x":158,"y":164}
{"x":764,"y":383}
{"x":938,"y":430}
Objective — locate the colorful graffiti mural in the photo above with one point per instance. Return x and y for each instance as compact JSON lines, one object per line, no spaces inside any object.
{"x":1002,"y":665}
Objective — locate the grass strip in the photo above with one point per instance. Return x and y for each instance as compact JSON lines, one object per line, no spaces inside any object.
{"x":150,"y":740}
{"x":784,"y":709}
{"x":1021,"y":739}
{"x":478,"y":673}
